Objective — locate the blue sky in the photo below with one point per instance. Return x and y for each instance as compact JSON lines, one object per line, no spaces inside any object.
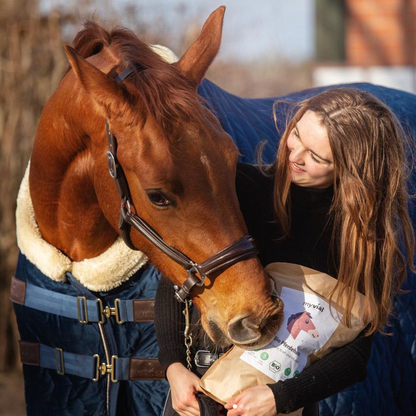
{"x":255,"y":28}
{"x":252,"y":29}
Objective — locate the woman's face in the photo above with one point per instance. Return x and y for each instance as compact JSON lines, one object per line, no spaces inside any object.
{"x":310,"y":156}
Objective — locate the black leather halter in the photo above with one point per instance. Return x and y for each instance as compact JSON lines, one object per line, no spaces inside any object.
{"x":234,"y":253}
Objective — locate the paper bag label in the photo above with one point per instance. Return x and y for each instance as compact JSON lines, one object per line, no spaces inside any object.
{"x":307,"y":326}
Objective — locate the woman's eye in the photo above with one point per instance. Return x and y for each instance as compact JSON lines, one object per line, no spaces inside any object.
{"x":315,"y":159}
{"x":159,"y":198}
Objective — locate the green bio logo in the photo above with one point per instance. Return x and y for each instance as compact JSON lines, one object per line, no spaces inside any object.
{"x":287,"y":371}
{"x":264,"y":356}
{"x":296,"y":373}
{"x":275,"y":366}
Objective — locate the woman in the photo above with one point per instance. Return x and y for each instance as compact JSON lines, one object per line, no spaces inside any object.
{"x":338,"y":192}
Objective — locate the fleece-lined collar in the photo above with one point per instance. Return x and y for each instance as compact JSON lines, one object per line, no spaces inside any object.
{"x":102,"y":273}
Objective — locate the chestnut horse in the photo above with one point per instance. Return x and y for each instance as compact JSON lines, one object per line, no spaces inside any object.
{"x":179,"y":167}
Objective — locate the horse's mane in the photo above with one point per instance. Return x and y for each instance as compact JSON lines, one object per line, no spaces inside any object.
{"x":166,"y":93}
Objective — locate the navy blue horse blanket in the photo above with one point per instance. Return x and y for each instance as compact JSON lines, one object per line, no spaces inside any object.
{"x":390,"y":387}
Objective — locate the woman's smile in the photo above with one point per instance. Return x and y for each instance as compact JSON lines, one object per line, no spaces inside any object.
{"x":296,"y":168}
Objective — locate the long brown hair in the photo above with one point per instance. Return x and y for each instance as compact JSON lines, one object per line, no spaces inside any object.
{"x":370,"y":204}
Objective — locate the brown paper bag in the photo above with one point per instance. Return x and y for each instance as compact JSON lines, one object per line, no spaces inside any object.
{"x":310,"y":330}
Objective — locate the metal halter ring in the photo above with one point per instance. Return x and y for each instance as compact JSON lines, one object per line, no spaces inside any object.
{"x":193,"y":271}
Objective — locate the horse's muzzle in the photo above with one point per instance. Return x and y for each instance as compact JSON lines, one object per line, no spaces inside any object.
{"x":250,"y":331}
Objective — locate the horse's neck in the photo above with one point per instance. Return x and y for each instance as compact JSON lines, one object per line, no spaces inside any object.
{"x":62,"y":188}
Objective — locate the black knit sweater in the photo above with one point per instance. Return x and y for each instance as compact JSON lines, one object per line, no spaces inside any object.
{"x":309,"y":245}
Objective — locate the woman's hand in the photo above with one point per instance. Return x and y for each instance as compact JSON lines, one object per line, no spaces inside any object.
{"x":255,"y":401}
{"x":183,"y":385}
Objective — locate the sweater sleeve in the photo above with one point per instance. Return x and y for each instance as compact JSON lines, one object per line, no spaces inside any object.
{"x":169,"y":325}
{"x":331,"y":374}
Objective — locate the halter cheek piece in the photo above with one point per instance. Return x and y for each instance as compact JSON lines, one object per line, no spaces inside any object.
{"x":240,"y":250}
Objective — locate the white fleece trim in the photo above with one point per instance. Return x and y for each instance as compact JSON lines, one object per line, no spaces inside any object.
{"x":104,"y":272}
{"x":167,"y":54}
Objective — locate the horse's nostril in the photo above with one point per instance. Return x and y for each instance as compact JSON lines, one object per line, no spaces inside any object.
{"x":243,"y":330}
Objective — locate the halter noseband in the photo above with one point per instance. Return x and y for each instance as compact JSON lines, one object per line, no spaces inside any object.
{"x":241,"y":249}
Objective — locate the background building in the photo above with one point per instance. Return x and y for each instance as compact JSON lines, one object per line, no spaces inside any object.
{"x":366,"y":41}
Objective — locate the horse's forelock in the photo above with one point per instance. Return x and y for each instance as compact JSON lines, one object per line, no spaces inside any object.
{"x":91,"y":39}
{"x":167,"y":95}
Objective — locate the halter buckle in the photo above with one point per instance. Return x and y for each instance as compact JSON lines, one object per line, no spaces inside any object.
{"x":182,"y":293}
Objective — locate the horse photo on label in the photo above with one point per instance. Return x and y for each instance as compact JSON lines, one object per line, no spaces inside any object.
{"x":301,"y":321}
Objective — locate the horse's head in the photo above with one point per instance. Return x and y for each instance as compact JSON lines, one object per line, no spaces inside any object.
{"x":179,"y":165}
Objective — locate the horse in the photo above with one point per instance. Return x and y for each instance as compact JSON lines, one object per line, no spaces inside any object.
{"x":179,"y":166}
{"x":129,"y":165}
{"x":301,"y":321}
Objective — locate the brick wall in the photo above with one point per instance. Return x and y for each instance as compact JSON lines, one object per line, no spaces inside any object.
{"x":381,"y":32}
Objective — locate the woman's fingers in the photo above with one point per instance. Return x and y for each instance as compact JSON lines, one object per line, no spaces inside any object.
{"x":256,"y":401}
{"x":184,"y":385}
{"x":186,"y":405}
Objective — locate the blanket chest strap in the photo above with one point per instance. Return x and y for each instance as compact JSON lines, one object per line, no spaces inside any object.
{"x":90,"y":366}
{"x":79,"y":307}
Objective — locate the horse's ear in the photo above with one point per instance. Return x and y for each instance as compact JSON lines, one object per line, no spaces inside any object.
{"x":199,"y":56}
{"x":105,"y":91}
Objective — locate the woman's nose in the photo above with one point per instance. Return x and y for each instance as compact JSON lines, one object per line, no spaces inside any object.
{"x":296,"y":155}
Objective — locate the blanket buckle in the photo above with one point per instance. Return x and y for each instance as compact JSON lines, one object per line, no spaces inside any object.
{"x":108,"y":312}
{"x":104,"y":368}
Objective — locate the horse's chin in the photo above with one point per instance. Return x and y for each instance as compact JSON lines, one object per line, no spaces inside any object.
{"x":254,"y":345}
{"x":221,"y":340}
{"x":217,"y":336}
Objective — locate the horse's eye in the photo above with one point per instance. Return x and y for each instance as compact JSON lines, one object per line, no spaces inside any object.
{"x":307,"y":321}
{"x":159,"y":198}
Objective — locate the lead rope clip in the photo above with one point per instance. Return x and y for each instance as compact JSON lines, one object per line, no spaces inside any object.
{"x":187,"y":334}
